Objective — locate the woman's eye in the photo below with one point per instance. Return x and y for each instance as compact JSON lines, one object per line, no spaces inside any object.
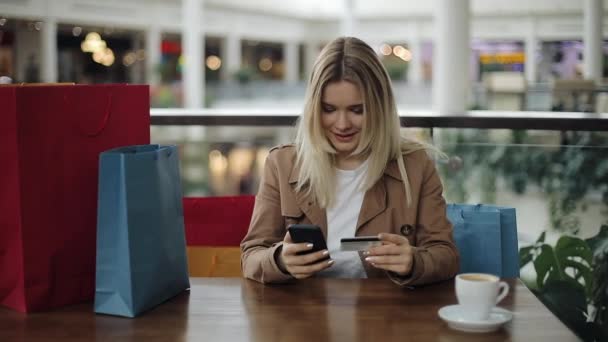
{"x":357,"y":110}
{"x":327,"y":109}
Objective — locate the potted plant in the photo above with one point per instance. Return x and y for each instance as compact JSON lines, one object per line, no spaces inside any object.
{"x":572,"y":281}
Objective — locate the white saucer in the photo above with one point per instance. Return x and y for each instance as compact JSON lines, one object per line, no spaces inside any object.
{"x":452,"y":315}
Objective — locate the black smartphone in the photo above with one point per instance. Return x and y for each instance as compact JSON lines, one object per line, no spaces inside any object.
{"x":308,"y":233}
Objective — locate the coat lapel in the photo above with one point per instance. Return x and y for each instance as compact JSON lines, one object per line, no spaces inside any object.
{"x":374,"y":203}
{"x":306,"y":203}
{"x":375,"y":199}
{"x":315,"y":214}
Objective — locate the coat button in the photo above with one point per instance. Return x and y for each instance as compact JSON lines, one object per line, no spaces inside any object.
{"x":406,"y":229}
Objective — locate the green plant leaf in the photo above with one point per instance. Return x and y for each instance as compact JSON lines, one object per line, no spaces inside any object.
{"x":572,"y":252}
{"x":580,"y":271}
{"x":541,"y":238}
{"x":569,"y":253}
{"x":568,"y":246}
{"x":546,"y":266}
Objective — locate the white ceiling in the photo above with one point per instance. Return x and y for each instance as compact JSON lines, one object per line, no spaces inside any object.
{"x":397,"y":8}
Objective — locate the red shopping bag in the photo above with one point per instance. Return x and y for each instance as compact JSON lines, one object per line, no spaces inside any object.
{"x":50,"y":141}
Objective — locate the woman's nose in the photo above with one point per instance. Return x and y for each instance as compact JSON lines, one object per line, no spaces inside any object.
{"x":342,"y":122}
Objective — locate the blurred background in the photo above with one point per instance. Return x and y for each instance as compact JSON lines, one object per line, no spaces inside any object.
{"x":258,"y":54}
{"x":445,"y":57}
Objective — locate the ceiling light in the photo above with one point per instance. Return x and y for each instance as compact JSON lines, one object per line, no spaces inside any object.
{"x":385,"y":49}
{"x":265,"y":64}
{"x":213,"y":62}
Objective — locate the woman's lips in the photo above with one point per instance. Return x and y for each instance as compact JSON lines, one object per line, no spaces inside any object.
{"x":342,"y":137}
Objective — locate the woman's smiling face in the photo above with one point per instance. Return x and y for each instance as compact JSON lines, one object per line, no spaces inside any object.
{"x":342,"y":116}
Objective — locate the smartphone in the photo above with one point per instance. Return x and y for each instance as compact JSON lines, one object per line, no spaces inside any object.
{"x":308,"y":233}
{"x":359,"y":243}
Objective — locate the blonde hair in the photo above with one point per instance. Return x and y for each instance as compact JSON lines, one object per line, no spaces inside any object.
{"x":350,"y":59}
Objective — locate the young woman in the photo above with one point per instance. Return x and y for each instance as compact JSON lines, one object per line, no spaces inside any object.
{"x":351,"y":173}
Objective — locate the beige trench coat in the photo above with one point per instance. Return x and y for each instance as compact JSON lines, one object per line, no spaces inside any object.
{"x":384,"y":209}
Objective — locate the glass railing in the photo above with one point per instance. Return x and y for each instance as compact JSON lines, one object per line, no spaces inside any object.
{"x":557,"y":181}
{"x":554,"y":188}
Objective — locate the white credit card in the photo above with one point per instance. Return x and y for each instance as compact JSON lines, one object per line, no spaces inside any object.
{"x":359,"y":243}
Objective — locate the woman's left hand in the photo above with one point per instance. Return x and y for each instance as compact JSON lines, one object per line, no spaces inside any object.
{"x":395,"y":255}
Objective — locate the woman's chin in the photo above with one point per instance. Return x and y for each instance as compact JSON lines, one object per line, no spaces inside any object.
{"x":344,"y":149}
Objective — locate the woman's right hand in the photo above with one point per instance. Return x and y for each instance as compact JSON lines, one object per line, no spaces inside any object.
{"x":302,"y":266}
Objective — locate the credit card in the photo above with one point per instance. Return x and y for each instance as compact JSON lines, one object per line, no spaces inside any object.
{"x":359,"y":243}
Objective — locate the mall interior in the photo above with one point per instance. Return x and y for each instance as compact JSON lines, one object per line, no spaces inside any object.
{"x":488,"y":59}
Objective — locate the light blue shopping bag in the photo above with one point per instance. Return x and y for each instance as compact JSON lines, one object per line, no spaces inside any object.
{"x":486,"y":238}
{"x":141,"y":245}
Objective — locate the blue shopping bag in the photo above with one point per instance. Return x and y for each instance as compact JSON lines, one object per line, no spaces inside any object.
{"x":141,"y":245}
{"x":486,"y":238}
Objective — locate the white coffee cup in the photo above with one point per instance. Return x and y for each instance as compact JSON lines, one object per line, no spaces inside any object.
{"x":478,"y":293}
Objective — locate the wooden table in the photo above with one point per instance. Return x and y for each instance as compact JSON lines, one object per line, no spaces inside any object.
{"x":234,"y":309}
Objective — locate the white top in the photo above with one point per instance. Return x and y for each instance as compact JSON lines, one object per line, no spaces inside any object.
{"x":342,"y":222}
